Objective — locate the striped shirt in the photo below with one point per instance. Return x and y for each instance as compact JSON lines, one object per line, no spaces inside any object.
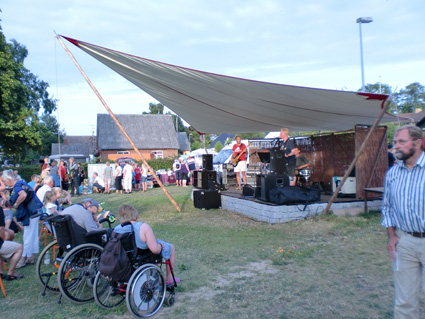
{"x":403,"y":205}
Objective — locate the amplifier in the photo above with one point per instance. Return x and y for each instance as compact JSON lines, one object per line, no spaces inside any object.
{"x":269,"y":181}
{"x":202,"y":179}
{"x":206,"y":199}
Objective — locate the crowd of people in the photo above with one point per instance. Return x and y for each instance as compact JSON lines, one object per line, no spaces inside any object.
{"x":21,"y":200}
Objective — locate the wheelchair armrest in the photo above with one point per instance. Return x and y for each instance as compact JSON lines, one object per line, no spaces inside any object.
{"x":97,"y":232}
{"x":146,"y":256}
{"x":96,"y":236}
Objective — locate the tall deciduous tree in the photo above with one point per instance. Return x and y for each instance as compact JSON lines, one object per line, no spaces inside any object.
{"x":17,"y":121}
{"x":411,"y":98}
{"x":381,"y":88}
{"x":49,"y":132}
{"x":22,"y":96}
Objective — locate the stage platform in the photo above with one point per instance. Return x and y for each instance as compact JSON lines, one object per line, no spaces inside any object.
{"x":233,"y":200}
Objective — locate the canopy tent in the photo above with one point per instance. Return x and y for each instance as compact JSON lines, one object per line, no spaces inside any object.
{"x":214,"y":103}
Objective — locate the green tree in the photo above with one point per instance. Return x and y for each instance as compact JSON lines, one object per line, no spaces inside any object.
{"x":180,"y":125}
{"x":155,"y":108}
{"x":18,"y":121}
{"x":49,"y":133}
{"x":381,"y":88}
{"x":218,"y":146}
{"x":158,"y":108}
{"x":250,"y":136}
{"x":411,"y":98}
{"x":196,"y":140}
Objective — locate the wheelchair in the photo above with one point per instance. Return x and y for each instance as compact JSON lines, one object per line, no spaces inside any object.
{"x":146,"y":289}
{"x":69,"y":263}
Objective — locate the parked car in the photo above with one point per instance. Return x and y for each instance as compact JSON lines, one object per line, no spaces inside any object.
{"x":121,"y":160}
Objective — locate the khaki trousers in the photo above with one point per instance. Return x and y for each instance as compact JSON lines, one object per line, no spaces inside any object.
{"x":408,"y":280}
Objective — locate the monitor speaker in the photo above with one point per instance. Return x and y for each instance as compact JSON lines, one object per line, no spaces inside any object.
{"x":206,"y":199}
{"x":203,"y":179}
{"x":207,"y":162}
{"x":250,"y":191}
{"x":269,"y":181}
{"x":277,"y":161}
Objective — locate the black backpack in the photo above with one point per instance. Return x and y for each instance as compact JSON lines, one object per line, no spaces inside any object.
{"x":114,"y":262}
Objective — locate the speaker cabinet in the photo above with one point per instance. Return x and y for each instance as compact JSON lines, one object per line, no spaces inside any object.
{"x":202,"y":179}
{"x":251,"y":191}
{"x":206,"y":199}
{"x":207,"y":162}
{"x":269,"y":181}
{"x":277,"y":161}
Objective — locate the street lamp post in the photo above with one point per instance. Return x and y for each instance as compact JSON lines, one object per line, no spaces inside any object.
{"x":360,"y":21}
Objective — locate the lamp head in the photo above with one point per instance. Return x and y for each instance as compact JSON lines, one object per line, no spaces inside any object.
{"x":364,"y":20}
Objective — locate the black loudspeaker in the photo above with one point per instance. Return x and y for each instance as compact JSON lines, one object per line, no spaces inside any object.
{"x":201,"y":179}
{"x":251,"y":191}
{"x":206,"y":199}
{"x":269,"y":181}
{"x":277,"y":161}
{"x":207,"y":162}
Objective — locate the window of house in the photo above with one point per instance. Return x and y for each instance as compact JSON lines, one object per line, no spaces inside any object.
{"x":158,"y":154}
{"x":123,"y":152}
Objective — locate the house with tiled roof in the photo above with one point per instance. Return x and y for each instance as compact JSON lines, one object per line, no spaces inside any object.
{"x":153,"y":134}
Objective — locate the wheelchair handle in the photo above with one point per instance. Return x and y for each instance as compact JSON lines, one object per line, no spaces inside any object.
{"x":37,"y":215}
{"x":103,"y":220}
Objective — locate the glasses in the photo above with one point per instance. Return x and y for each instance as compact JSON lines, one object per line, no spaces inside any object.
{"x":402,"y":142}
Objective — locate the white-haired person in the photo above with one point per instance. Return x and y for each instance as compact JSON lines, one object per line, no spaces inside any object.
{"x":145,"y":238}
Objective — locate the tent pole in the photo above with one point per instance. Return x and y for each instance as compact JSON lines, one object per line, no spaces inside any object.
{"x":356,"y":158}
{"x":120,"y":126}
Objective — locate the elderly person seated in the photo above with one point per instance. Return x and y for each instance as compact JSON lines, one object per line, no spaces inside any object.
{"x":145,"y":238}
{"x":84,"y":214}
{"x":11,"y":225}
{"x":9,"y":250}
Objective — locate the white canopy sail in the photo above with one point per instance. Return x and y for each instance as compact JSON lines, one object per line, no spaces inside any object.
{"x":214,"y":103}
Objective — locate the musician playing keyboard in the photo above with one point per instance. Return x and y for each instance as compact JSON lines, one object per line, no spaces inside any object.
{"x":239,"y":161}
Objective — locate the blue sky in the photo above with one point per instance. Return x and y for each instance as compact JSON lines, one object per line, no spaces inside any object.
{"x":305,"y":43}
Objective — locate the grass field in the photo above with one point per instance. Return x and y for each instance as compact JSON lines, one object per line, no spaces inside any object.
{"x":233,"y":267}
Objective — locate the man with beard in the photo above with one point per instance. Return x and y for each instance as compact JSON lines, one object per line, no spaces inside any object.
{"x":403,"y":215}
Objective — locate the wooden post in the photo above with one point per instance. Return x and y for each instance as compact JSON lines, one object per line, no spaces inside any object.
{"x":356,"y":158}
{"x":375,"y":163}
{"x":120,"y":126}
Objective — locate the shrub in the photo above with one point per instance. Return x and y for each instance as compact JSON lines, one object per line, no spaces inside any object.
{"x":160,"y":163}
{"x":26,"y":171}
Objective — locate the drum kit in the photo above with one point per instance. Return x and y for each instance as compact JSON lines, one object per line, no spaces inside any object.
{"x":303,"y":177}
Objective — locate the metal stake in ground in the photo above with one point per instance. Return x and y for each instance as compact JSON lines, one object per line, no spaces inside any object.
{"x":120,"y":126}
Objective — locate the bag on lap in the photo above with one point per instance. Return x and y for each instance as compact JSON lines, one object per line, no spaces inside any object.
{"x":114,"y":261}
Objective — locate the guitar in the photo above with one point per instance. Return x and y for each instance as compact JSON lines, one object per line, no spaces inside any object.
{"x":235,"y":160}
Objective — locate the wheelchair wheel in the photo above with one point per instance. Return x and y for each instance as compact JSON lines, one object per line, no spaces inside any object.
{"x":77,"y":272}
{"x":47,"y":266}
{"x":108,"y":294}
{"x":145,"y":291}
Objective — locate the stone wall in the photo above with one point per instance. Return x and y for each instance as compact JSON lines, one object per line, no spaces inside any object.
{"x":286,"y":213}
